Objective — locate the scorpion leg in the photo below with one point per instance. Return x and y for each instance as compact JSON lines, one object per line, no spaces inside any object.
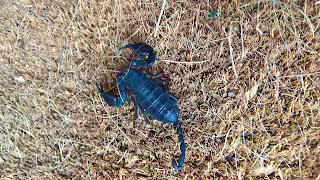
{"x":138,"y":112}
{"x":173,"y":97}
{"x":129,"y":99}
{"x":155,"y":77}
{"x":112,"y":100}
{"x":152,"y":76}
{"x":137,"y":108}
{"x":142,"y":49}
{"x":147,"y":117}
{"x":182,"y":147}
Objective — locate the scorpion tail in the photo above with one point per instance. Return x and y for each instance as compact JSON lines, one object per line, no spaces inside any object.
{"x":182,"y":147}
{"x":142,"y":49}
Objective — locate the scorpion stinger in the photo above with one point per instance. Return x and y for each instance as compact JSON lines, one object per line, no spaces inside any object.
{"x":142,"y":49}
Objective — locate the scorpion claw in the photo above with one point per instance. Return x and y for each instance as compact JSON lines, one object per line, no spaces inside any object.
{"x":142,"y":49}
{"x":112,"y":100}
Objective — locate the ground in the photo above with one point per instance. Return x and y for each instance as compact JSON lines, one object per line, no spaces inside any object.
{"x":247,"y":78}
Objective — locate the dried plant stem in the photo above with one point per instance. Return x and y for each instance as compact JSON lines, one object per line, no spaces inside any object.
{"x":159,"y":19}
{"x":231,"y":52}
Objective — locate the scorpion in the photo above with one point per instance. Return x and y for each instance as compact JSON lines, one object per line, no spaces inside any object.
{"x":147,"y":94}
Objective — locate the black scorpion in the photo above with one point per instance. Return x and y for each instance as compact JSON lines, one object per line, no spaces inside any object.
{"x":147,"y":94}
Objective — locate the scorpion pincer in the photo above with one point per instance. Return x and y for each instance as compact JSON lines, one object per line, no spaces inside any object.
{"x":147,"y":94}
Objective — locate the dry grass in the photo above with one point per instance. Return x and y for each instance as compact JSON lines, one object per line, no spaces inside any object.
{"x":55,"y":124}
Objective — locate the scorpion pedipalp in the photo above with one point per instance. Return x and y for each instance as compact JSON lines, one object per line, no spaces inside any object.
{"x":142,"y":49}
{"x":112,"y":100}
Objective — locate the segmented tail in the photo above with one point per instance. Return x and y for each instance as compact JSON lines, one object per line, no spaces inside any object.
{"x":182,"y":147}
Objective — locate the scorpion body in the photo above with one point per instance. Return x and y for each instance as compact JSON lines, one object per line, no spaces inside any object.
{"x":147,"y":94}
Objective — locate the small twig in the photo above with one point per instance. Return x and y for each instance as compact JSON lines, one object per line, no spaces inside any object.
{"x":184,"y":62}
{"x":73,"y":16}
{"x":104,"y":150}
{"x":225,"y":142}
{"x":158,"y":23}
{"x":108,"y":70}
{"x":231,"y":55}
{"x":242,"y":41}
{"x":299,"y":75}
{"x":208,"y":26}
{"x":217,"y":40}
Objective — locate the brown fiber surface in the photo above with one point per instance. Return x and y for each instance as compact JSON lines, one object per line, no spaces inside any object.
{"x":247,"y":82}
